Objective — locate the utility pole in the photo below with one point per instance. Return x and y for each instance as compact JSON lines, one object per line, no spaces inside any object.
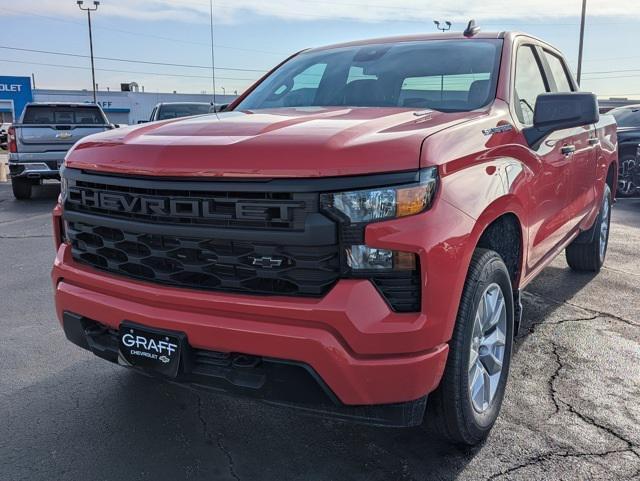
{"x":213,"y":57}
{"x":93,"y":71}
{"x":584,"y":16}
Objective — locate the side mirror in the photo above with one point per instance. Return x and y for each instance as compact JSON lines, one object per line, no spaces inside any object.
{"x":559,"y":111}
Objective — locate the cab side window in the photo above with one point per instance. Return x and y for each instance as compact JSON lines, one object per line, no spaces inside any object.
{"x":559,"y":72}
{"x":529,"y":84}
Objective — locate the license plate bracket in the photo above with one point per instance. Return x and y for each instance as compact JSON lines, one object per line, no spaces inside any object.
{"x":154,"y":349}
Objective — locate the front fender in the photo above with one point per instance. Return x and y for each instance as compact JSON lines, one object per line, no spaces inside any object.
{"x":488,"y":190}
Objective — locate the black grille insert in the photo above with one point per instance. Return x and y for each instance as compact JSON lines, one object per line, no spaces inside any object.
{"x":224,"y":265}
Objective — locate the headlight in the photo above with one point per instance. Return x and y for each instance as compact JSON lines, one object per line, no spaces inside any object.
{"x":371,"y":205}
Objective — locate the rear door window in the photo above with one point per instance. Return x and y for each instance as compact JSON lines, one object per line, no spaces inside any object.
{"x":559,"y":72}
{"x":43,"y":114}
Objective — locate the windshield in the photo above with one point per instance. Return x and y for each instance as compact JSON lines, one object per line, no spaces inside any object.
{"x":627,"y":117}
{"x":182,"y":110}
{"x":447,"y":75}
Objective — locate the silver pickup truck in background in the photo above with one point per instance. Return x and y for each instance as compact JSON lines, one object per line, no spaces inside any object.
{"x":40,"y":140}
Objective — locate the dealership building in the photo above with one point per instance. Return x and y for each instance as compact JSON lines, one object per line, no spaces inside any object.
{"x":121,"y":107}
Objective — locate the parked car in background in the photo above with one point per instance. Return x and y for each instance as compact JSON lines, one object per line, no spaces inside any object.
{"x":351,"y":236}
{"x":39,"y":141}
{"x":174,"y":110}
{"x":3,"y":135}
{"x":628,"y":119}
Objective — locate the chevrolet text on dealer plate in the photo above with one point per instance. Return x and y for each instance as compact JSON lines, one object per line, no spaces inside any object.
{"x":348,"y":236}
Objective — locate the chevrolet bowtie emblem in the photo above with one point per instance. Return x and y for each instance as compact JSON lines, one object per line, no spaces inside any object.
{"x":266,"y":262}
{"x":64,"y":135}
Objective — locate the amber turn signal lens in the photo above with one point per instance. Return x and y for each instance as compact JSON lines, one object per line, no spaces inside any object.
{"x":412,"y":200}
{"x":404,"y":261}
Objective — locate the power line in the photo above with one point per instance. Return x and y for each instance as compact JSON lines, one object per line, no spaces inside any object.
{"x":123,"y":71}
{"x":114,"y":59}
{"x":608,"y":77}
{"x":614,"y":71}
{"x":140,"y":34}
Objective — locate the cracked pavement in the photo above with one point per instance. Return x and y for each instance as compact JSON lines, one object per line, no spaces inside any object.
{"x":571,"y":411}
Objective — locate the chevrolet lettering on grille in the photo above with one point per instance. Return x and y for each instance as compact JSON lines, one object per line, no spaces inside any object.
{"x":205,"y":208}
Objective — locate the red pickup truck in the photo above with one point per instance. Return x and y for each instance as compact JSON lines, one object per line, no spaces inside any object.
{"x":350,"y":237}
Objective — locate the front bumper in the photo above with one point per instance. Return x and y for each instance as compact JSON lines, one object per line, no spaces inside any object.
{"x":365,"y":353}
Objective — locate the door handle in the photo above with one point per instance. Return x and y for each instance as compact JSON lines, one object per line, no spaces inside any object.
{"x":568,"y":149}
{"x":594,"y":141}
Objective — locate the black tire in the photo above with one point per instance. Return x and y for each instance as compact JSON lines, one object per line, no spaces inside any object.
{"x":21,"y":188}
{"x":587,"y":256}
{"x":450,"y":411}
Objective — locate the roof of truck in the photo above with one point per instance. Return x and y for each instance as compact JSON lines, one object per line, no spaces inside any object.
{"x":426,"y":36}
{"x":62,"y":104}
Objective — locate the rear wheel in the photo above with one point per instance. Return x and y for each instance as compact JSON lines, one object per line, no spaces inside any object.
{"x":590,"y":256}
{"x":21,"y":188}
{"x":466,"y":404}
{"x":627,"y":177}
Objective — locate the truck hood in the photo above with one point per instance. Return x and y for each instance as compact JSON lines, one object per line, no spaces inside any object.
{"x":291,"y":142}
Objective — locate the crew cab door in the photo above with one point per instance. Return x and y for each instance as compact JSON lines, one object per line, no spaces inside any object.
{"x":549,"y":221}
{"x":582,"y":169}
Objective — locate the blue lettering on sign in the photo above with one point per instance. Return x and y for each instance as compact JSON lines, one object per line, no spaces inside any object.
{"x":18,"y":91}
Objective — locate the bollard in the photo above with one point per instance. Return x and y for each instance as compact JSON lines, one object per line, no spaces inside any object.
{"x":3,"y":172}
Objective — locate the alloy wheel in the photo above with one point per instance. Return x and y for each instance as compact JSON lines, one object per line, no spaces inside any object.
{"x":486,"y":355}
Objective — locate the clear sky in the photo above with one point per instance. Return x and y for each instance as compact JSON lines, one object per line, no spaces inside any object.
{"x":253,"y":35}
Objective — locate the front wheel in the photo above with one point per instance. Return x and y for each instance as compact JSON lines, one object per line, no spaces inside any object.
{"x":590,"y":256}
{"x":466,"y":404}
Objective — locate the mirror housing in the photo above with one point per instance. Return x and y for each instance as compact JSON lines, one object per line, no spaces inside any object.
{"x":558,"y":111}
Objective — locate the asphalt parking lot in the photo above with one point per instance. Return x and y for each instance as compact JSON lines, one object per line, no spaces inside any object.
{"x":572,"y":409}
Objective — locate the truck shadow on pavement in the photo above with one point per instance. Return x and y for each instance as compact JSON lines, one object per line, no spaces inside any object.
{"x":116,"y":424}
{"x":553,"y":288}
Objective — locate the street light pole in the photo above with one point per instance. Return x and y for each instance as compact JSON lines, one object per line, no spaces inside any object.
{"x":93,"y":71}
{"x":584,"y":15}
